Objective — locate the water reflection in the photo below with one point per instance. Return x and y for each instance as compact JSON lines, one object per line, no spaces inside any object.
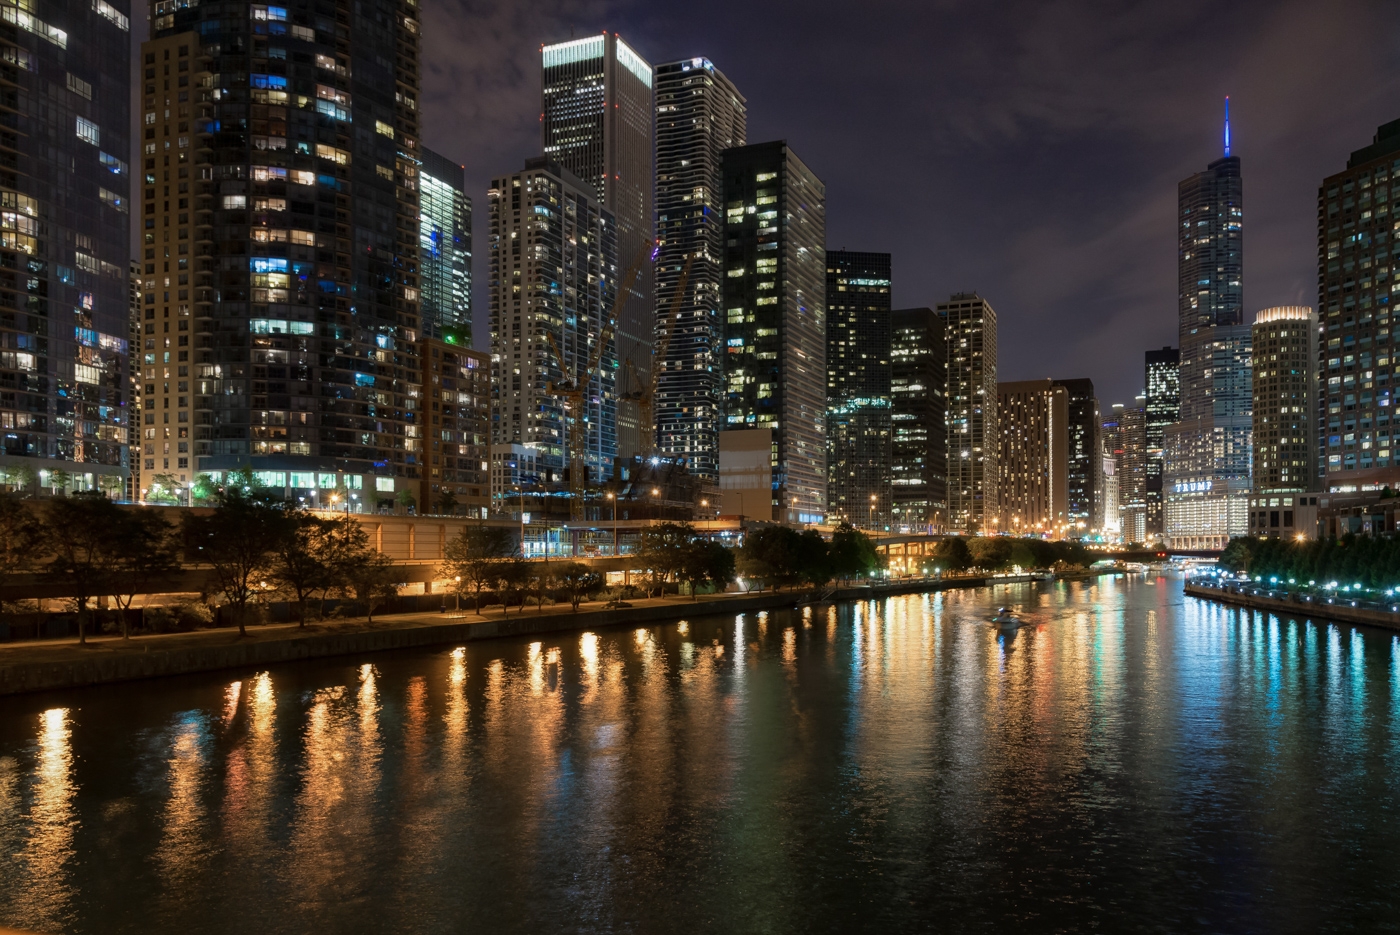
{"x":1133,"y":760}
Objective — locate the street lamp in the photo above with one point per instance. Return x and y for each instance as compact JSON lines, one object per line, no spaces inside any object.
{"x":612,"y":498}
{"x":521,"y":490}
{"x":873,"y":499}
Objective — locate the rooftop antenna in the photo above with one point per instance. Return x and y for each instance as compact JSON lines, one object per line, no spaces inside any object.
{"x":1227,"y":126}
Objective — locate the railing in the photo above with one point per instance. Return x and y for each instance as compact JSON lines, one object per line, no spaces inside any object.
{"x":1303,"y":596}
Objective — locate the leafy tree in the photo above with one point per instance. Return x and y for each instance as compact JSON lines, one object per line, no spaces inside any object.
{"x":306,"y":559}
{"x":22,"y":543}
{"x":990,"y":554}
{"x":84,"y":535}
{"x":373,"y":578}
{"x":852,"y":553}
{"x":470,"y":560}
{"x":59,"y":479}
{"x":447,"y":501}
{"x":239,"y":540}
{"x":811,"y":558}
{"x":163,"y":488}
{"x":770,"y":555}
{"x":1236,"y":555}
{"x":662,"y":550}
{"x":577,"y":580}
{"x":707,"y":562}
{"x":1023,"y":554}
{"x":952,"y":554}
{"x":404,"y":498}
{"x":149,"y":552}
{"x":512,"y":576}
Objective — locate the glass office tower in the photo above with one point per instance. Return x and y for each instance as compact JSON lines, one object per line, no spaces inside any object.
{"x":970,"y":330}
{"x":1163,"y":375}
{"x":445,"y":248}
{"x":919,"y":437}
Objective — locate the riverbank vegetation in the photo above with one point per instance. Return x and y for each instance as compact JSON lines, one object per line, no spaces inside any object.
{"x":1372,"y":562}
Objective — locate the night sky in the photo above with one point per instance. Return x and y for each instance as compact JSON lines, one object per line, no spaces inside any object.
{"x":1026,"y":150}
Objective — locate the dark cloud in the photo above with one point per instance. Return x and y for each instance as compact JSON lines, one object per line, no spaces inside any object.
{"x":1028,"y":150}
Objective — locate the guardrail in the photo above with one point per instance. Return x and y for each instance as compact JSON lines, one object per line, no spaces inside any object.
{"x":1281,"y":600}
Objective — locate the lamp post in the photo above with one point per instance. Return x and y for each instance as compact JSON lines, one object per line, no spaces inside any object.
{"x":521,"y":490}
{"x":612,"y":498}
{"x":873,"y":500}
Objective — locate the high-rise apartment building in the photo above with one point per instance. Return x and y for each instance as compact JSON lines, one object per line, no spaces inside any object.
{"x":457,"y":427}
{"x":775,"y":317}
{"x":133,"y":436}
{"x":970,"y":330}
{"x":280,"y":245}
{"x":445,"y":250}
{"x":1357,"y":365}
{"x":553,"y":282}
{"x":1129,"y":440}
{"x":919,"y":436}
{"x":1033,"y":426}
{"x":64,"y":236}
{"x":596,"y":119}
{"x":1285,"y":401}
{"x":1084,"y":512}
{"x":1163,"y":380}
{"x":699,"y":114}
{"x":858,"y":427}
{"x":1285,"y":349}
{"x":1206,"y":452}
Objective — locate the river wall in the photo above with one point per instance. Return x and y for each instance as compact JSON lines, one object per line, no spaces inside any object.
{"x":1339,"y":611}
{"x":46,"y":667}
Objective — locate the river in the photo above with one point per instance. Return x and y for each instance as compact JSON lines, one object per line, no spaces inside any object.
{"x":1136,"y":761}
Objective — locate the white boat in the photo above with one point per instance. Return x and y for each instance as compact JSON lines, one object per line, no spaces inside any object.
{"x":1006,"y":619}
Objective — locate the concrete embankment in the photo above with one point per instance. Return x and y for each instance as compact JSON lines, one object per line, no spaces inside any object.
{"x":1339,"y":611}
{"x":48,"y":666}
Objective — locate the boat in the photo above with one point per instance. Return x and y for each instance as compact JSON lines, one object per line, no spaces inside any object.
{"x":1006,"y":619}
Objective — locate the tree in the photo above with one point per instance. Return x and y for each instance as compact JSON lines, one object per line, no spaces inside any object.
{"x":852,"y":553}
{"x":447,"y":501}
{"x":1237,"y":554}
{"x":374,"y":579}
{"x":662,"y":550}
{"x":990,"y":554}
{"x":706,"y":561}
{"x":404,"y":498}
{"x":577,"y":580}
{"x":84,"y":536}
{"x":470,"y":560}
{"x":22,"y":544}
{"x":306,"y":560}
{"x":512,"y":575}
{"x":952,"y":554}
{"x":149,"y":553}
{"x":163,"y":488}
{"x":239,"y":540}
{"x":769,"y":555}
{"x":1022,"y":555}
{"x":812,"y":558}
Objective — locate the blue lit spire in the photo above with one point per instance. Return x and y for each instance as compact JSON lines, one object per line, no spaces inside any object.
{"x":1227,"y":125}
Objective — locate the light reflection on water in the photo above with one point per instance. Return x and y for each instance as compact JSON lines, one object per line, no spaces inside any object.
{"x":1134,"y":761}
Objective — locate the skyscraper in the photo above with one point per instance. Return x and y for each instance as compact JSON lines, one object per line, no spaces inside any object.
{"x":1033,"y":427}
{"x":553,"y":276}
{"x":596,"y":119}
{"x":1206,"y":452}
{"x":775,"y":317}
{"x":970,"y":330}
{"x":1129,"y":440}
{"x":919,"y":436}
{"x":1357,"y":366}
{"x":445,"y":249}
{"x":280,"y":242}
{"x":858,"y":387}
{"x":1084,"y":485}
{"x":1285,"y":348}
{"x":64,"y":251}
{"x":1163,"y":374}
{"x":699,"y":114}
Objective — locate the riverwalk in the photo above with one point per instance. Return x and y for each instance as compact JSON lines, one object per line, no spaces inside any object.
{"x":1315,"y":607}
{"x":61,"y":664}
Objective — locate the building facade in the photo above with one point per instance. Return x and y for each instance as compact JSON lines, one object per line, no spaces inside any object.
{"x":281,"y":233}
{"x":1206,"y":452}
{"x":596,"y":119}
{"x":1085,"y":509}
{"x":699,"y":114}
{"x":858,"y":425}
{"x":1356,"y":363}
{"x":445,"y":250}
{"x":918,"y":431}
{"x":1163,"y":382}
{"x":553,"y":281}
{"x":1125,"y":446}
{"x":1285,"y":401}
{"x":64,"y":245}
{"x":457,"y":429}
{"x":775,"y":317}
{"x":1033,"y":466}
{"x":970,"y":332}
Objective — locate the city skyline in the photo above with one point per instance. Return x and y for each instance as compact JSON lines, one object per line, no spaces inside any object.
{"x":1072,"y":241}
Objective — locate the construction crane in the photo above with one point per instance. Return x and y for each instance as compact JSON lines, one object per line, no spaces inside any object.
{"x":573,"y":388}
{"x":645,"y":396}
